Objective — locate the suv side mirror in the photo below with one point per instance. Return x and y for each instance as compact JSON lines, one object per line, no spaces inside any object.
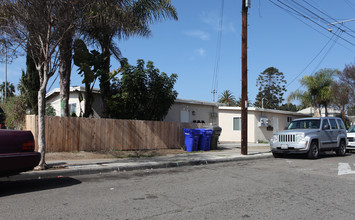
{"x":326,"y":127}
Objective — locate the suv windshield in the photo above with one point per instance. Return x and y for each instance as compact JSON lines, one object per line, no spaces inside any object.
{"x":352,"y":129}
{"x":305,"y":124}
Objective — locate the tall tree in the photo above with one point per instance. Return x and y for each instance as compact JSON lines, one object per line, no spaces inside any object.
{"x":29,"y":85}
{"x":348,"y":77}
{"x":117,"y":19}
{"x":228,"y":98}
{"x":15,"y":111}
{"x":10,"y":90}
{"x":318,"y":93}
{"x":90,"y":68}
{"x":142,"y":93}
{"x":70,"y":13}
{"x":34,"y":25}
{"x":272,"y":86}
{"x":342,"y":92}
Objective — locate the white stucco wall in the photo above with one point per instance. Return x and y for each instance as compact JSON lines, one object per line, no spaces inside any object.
{"x":53,"y":98}
{"x":197,"y":111}
{"x":255,"y":132}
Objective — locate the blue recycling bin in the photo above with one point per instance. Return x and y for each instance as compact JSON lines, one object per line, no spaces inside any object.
{"x":205,"y":139}
{"x":191,"y":139}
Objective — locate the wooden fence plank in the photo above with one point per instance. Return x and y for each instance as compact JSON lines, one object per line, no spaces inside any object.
{"x":89,"y":134}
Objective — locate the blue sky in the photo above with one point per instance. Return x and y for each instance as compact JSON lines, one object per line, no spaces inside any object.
{"x":276,"y":38}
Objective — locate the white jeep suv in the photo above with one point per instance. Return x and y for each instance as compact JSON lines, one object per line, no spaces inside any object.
{"x":310,"y":135}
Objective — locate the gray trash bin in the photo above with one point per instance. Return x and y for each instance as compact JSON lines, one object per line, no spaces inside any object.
{"x":215,"y":135}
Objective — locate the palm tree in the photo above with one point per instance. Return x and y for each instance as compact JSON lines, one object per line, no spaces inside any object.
{"x":10,"y":90}
{"x":318,"y":92}
{"x":227,"y":98}
{"x":71,"y":15}
{"x":118,"y":19}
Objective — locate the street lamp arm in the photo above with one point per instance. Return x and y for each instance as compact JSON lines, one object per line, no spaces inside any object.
{"x":341,"y":22}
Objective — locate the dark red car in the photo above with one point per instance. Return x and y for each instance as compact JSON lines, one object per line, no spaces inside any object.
{"x":17,"y":152}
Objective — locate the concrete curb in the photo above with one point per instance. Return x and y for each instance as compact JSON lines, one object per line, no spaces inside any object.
{"x":77,"y":170}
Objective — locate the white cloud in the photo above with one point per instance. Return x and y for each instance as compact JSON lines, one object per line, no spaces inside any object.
{"x":198,"y":34}
{"x":213,"y":20}
{"x":201,"y":52}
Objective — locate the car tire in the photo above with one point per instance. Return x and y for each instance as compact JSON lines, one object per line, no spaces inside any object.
{"x":341,"y":151}
{"x":313,"y":152}
{"x":277,"y":155}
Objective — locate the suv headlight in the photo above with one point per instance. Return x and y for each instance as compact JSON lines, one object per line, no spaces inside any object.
{"x":275,"y":138}
{"x":300,"y":137}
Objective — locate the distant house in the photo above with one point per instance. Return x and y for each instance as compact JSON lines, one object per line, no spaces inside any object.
{"x":331,"y":112}
{"x":183,"y":110}
{"x":261,"y":123}
{"x":193,"y":111}
{"x":77,"y":107}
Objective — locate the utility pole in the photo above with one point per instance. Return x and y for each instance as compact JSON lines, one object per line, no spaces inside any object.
{"x":5,"y":69}
{"x":244,"y":146}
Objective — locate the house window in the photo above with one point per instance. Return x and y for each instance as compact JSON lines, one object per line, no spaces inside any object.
{"x":72,"y":108}
{"x":289,"y":119}
{"x":237,"y":122}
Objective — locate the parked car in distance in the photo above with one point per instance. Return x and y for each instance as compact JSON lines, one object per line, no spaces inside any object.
{"x":310,"y":136}
{"x":351,"y":138}
{"x":17,"y":152}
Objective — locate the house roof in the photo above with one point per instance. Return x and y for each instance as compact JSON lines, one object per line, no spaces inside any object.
{"x":310,"y":110}
{"x":196,"y":102}
{"x":71,"y":89}
{"x":264,"y":110}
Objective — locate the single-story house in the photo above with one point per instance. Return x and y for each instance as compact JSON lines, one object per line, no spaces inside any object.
{"x":77,"y":107}
{"x":332,"y":112}
{"x":183,"y":110}
{"x":192,"y":111}
{"x":261,"y":123}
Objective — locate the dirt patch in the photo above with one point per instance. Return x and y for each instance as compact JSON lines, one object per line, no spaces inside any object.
{"x":82,"y":155}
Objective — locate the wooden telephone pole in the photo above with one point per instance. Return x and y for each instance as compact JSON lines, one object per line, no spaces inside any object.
{"x":244,"y":146}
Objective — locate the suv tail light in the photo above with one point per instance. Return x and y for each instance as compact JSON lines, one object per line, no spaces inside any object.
{"x":28,"y":145}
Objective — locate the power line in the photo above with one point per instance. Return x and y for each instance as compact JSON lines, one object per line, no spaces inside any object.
{"x":307,"y":17}
{"x":294,"y":15}
{"x":218,"y":53}
{"x":325,"y":55}
{"x":330,"y":18}
{"x":311,"y":61}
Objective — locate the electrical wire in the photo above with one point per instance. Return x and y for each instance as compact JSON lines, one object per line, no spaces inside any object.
{"x":218,"y":53}
{"x":352,"y":6}
{"x":294,"y":15}
{"x":318,"y":54}
{"x":316,"y":23}
{"x":327,"y":22}
{"x":325,"y":55}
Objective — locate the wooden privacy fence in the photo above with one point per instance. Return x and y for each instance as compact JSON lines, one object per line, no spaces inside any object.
{"x":70,"y":134}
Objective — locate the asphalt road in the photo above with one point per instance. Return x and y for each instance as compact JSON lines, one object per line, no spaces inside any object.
{"x":286,"y":188}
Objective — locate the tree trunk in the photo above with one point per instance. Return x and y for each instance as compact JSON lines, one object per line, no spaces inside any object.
{"x":104,"y":80}
{"x":64,"y":71}
{"x":88,"y":101}
{"x":326,"y":110}
{"x":343,"y":113}
{"x":41,"y":119}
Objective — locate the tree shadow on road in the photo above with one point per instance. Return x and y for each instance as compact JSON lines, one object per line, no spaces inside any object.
{"x":322,"y":155}
{"x":8,"y":188}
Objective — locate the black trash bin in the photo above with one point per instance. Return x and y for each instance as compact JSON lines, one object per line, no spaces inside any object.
{"x":215,"y":135}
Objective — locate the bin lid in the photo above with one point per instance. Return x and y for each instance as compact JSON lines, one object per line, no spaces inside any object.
{"x":213,"y":127}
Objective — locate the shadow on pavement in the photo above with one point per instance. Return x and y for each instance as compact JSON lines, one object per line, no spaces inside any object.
{"x":8,"y":188}
{"x":324,"y":154}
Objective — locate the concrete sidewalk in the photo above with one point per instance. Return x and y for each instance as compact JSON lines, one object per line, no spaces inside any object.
{"x":226,"y":152}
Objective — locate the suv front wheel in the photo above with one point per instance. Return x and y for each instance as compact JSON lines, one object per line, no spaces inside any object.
{"x":341,"y":151}
{"x":313,"y":152}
